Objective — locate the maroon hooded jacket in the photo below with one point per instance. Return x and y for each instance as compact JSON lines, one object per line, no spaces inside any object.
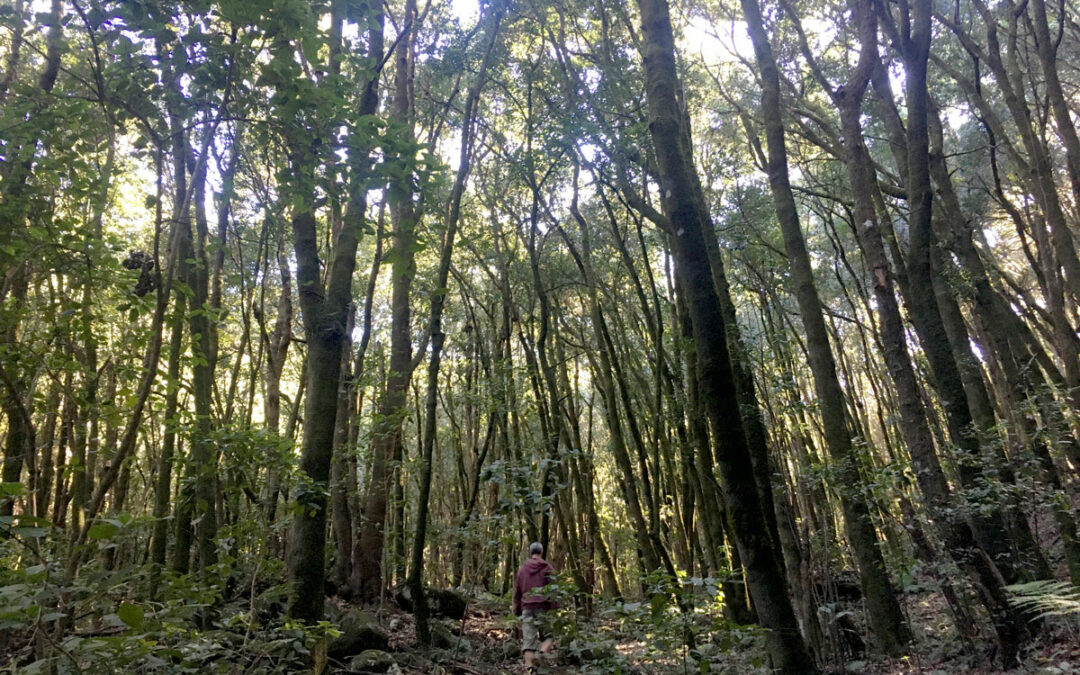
{"x":534,"y":573}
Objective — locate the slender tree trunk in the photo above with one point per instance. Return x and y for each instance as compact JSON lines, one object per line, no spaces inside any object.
{"x":386,"y":445}
{"x":453,"y":214}
{"x":685,"y":205}
{"x":341,"y":479}
{"x":163,"y":485}
{"x":358,"y":382}
{"x":883,"y":608}
{"x":42,"y":473}
{"x":277,"y":349}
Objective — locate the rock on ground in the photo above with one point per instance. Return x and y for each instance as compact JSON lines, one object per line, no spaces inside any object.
{"x":442,"y":602}
{"x":359,"y":632}
{"x":372,"y":661}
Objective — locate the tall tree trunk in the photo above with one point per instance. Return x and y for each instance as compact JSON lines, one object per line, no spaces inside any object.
{"x":883,"y":608}
{"x":325,"y":310}
{"x":415,"y":581}
{"x":202,"y":461}
{"x":685,"y":205}
{"x":386,"y":444}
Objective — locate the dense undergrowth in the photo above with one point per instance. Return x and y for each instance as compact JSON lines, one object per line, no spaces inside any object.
{"x":232,"y":620}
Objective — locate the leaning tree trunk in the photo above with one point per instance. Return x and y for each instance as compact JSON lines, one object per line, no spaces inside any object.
{"x":883,"y":609}
{"x":959,"y":536}
{"x":963,"y":393}
{"x":684,"y":202}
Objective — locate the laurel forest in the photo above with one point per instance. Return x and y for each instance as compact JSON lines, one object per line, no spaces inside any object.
{"x":707,"y":336}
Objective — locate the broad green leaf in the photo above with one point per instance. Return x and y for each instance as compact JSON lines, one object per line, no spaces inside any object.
{"x":102,"y":530}
{"x":12,"y":489}
{"x":131,"y":614}
{"x":29,"y":532}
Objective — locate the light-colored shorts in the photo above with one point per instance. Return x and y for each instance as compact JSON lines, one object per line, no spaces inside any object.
{"x":534,"y":629}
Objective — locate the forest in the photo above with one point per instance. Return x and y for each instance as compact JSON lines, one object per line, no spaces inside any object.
{"x":761,"y":317}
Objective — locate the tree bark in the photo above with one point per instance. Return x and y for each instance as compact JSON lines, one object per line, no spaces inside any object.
{"x":386,"y":445}
{"x":883,"y":608}
{"x":325,"y":310}
{"x":684,"y":203}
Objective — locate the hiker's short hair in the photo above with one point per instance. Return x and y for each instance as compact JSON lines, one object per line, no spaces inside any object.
{"x":536,"y":548}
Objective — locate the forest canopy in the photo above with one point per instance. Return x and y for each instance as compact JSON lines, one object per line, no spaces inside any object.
{"x":762,"y":318}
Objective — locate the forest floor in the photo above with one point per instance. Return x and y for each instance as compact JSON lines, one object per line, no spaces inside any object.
{"x":487,"y":642}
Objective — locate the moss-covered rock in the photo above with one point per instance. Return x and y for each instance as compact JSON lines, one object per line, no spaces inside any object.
{"x":442,"y":602}
{"x":442,"y":637}
{"x":371,"y":661}
{"x":359,"y":632}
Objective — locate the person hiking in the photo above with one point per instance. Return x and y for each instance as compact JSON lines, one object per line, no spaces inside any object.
{"x":534,"y":573}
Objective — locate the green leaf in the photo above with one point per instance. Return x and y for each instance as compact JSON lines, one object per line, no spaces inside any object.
{"x":102,"y":530}
{"x":310,"y":44}
{"x":12,"y":489}
{"x":29,"y":532}
{"x":131,"y":614}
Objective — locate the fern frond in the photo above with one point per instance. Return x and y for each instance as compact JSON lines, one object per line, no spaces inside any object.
{"x":1046,"y":598}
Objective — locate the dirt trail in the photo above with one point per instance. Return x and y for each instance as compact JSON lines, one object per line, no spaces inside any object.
{"x":487,"y":642}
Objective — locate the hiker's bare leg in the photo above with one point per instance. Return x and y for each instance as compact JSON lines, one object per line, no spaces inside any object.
{"x":545,"y":646}
{"x":530,"y":656}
